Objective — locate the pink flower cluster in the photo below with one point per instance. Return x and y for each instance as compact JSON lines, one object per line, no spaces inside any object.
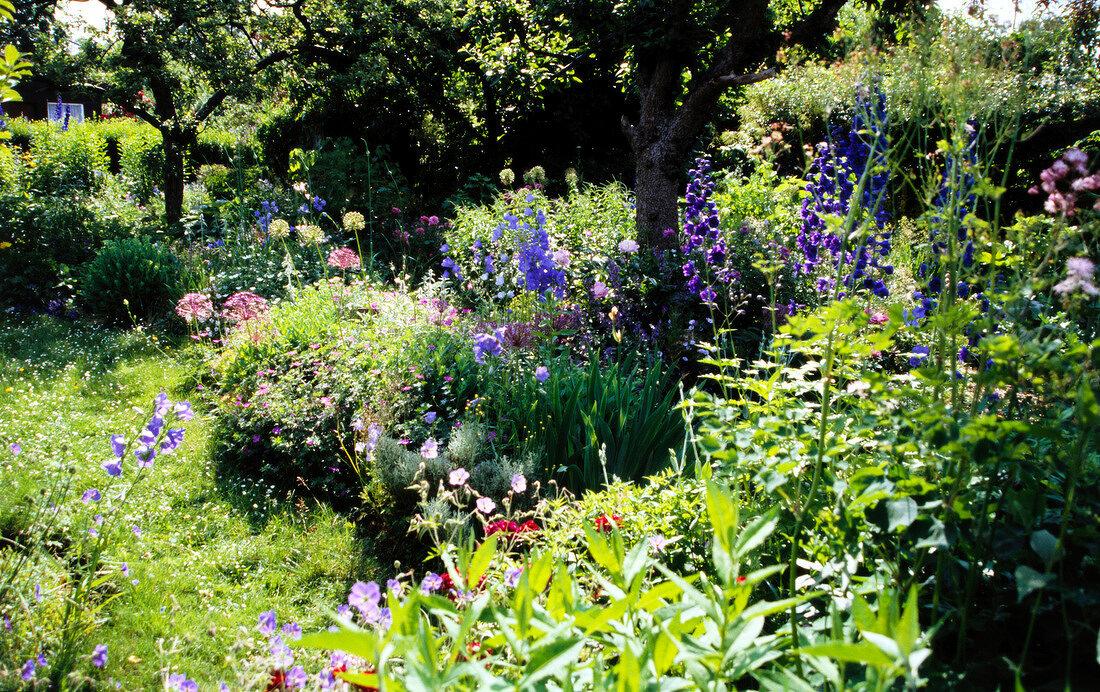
{"x":344,"y":258}
{"x":1064,"y":180}
{"x":195,"y":306}
{"x":1079,"y":273}
{"x":244,"y":306}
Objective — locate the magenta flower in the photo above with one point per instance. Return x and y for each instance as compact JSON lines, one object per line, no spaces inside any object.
{"x":244,"y":306}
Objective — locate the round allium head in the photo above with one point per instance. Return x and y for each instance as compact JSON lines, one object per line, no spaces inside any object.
{"x":628,"y":246}
{"x":244,"y":306}
{"x":354,"y":221}
{"x":195,"y":307}
{"x":344,"y":258}
{"x":310,"y":235}
{"x":278,"y":229}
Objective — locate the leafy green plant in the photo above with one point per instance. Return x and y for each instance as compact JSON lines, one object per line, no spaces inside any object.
{"x":131,"y":277}
{"x":607,"y":420}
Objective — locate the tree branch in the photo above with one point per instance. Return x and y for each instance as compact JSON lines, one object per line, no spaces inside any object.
{"x":743,"y":79}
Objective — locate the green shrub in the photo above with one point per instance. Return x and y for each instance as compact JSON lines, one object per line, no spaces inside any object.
{"x":131,"y":277}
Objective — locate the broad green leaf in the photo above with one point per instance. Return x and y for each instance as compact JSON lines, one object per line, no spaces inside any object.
{"x":901,"y":512}
{"x":908,"y":630}
{"x":550,"y":658}
{"x":1028,"y":580}
{"x":723,"y":515}
{"x":1045,"y":545}
{"x":601,"y":551}
{"x":756,"y":533}
{"x":362,"y":643}
{"x":849,"y":653}
{"x":481,"y":559}
{"x":885,"y":644}
{"x":628,"y":672}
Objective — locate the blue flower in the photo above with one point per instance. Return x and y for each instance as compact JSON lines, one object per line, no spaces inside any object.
{"x":267,"y":623}
{"x":99,"y":656}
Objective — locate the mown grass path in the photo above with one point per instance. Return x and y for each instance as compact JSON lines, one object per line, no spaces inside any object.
{"x":200,"y":565}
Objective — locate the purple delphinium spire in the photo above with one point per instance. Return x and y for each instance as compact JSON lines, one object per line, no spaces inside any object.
{"x":833,"y":182}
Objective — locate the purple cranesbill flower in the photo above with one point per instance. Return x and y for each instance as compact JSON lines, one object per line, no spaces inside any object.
{"x":162,"y":404}
{"x":16,"y":449}
{"x":155,"y":424}
{"x":919,"y":357}
{"x":293,"y":630}
{"x":99,"y":656}
{"x":429,"y":417}
{"x":296,"y":677}
{"x":267,"y":623}
{"x":28,"y":670}
{"x":541,"y":373}
{"x":432,"y":582}
{"x":118,"y":445}
{"x":363,"y":593}
{"x":137,"y":532}
{"x":113,"y":467}
{"x":90,"y":495}
{"x":395,"y":586}
{"x":519,"y":483}
{"x":282,"y":656}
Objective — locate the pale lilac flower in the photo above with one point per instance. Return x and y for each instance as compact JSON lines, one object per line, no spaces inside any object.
{"x":137,"y":532}
{"x":395,"y":586}
{"x":90,"y":495}
{"x":430,"y":449}
{"x":511,"y":577}
{"x":658,"y":543}
{"x":99,"y":656}
{"x":485,"y":505}
{"x":599,"y":290}
{"x":459,"y":477}
{"x":430,"y":417}
{"x":112,"y":467}
{"x":118,"y":445}
{"x":541,"y":373}
{"x":28,"y":670}
{"x":16,"y":449}
{"x":519,"y":483}
{"x":628,"y":246}
{"x":183,"y":411}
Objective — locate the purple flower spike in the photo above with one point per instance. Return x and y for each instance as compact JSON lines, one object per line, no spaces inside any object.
{"x":90,"y":495}
{"x":172,"y":439}
{"x":99,"y":656}
{"x":112,"y":467}
{"x":118,"y":445}
{"x":28,"y":670}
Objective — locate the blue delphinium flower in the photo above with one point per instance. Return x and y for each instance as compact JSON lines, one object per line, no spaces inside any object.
{"x":854,"y":152}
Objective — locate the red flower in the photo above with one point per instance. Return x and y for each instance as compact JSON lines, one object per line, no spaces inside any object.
{"x":360,"y":688}
{"x":278,"y":678}
{"x":604,"y":522}
{"x":528,"y":526}
{"x":741,"y":580}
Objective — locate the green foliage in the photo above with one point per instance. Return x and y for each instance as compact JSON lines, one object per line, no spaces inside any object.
{"x":131,"y":277}
{"x":607,"y":420}
{"x":605,"y":613}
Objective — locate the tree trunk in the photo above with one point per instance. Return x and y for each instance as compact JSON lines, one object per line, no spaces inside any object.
{"x":175,"y":146}
{"x":657,"y":188}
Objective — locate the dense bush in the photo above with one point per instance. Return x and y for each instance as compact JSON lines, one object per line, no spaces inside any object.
{"x":131,"y":278}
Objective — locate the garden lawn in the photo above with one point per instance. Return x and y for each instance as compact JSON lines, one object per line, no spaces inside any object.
{"x":203,"y":562}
